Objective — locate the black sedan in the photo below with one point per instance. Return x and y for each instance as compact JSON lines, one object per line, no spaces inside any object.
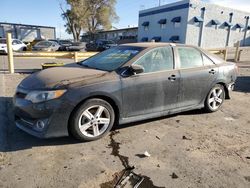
{"x":124,"y":84}
{"x":100,"y":45}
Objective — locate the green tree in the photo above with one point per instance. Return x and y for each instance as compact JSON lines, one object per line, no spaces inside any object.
{"x":89,"y":16}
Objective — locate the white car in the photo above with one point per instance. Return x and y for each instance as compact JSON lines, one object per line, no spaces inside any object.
{"x":48,"y":46}
{"x":17,"y":45}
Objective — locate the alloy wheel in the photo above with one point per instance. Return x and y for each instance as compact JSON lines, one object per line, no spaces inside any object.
{"x":94,"y":121}
{"x":216,"y":98}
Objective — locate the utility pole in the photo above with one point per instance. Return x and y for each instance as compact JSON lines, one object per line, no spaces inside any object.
{"x":159,"y":2}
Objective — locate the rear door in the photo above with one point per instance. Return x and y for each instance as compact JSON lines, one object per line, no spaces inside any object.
{"x":155,"y":89}
{"x":198,"y":74}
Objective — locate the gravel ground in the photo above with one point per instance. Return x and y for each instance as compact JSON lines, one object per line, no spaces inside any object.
{"x":191,"y":149}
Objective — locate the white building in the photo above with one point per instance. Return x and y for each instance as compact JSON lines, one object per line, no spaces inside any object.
{"x":194,"y":22}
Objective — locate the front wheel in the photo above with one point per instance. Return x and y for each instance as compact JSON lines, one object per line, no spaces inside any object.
{"x":215,"y":98}
{"x":92,"y":120}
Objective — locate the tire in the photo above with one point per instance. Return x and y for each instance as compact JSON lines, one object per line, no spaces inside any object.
{"x":24,"y":49}
{"x":92,"y":120}
{"x":215,"y":98}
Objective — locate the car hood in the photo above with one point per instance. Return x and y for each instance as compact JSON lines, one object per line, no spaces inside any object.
{"x":59,"y":77}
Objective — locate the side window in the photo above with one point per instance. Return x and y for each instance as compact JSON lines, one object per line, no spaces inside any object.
{"x":189,"y":57}
{"x":207,"y":61}
{"x":159,"y":59}
{"x":18,"y":42}
{"x":14,"y":42}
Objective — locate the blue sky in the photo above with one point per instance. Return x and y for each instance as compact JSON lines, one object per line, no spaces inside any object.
{"x":47,"y":12}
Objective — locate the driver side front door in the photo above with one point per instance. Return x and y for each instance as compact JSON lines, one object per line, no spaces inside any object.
{"x":154,"y":90}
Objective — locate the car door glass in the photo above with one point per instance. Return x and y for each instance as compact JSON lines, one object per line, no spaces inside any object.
{"x":14,"y":42}
{"x":18,"y":42}
{"x":159,"y":59}
{"x":207,"y":61}
{"x":189,"y":57}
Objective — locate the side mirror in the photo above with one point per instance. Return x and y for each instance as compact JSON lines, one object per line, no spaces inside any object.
{"x":137,"y":69}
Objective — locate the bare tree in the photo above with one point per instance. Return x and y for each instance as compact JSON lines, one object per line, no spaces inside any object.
{"x":89,"y":16}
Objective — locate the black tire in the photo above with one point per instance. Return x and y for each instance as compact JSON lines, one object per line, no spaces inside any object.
{"x":24,"y":49}
{"x":210,"y":97}
{"x":74,"y":126}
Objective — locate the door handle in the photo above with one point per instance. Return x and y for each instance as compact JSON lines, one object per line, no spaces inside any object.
{"x":172,"y":78}
{"x":212,"y":71}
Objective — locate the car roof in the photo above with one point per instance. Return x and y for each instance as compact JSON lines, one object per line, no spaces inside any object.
{"x":153,"y":44}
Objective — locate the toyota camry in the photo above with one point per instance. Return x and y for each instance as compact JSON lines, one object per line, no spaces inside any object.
{"x":124,"y":84}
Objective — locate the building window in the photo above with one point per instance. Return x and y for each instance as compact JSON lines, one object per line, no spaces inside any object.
{"x":163,"y":23}
{"x":145,"y":25}
{"x":176,"y":21}
{"x":163,"y":26}
{"x":228,"y":25}
{"x":144,"y":39}
{"x":198,"y":20}
{"x":174,"y":38}
{"x":156,"y":39}
{"x":177,"y":24}
{"x":215,"y":23}
{"x":239,"y":27}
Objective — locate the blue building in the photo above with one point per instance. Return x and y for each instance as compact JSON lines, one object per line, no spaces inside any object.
{"x":194,"y":22}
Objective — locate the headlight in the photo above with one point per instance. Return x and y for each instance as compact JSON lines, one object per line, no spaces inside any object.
{"x":42,"y":96}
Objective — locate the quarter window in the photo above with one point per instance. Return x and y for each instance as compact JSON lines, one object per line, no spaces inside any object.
{"x":159,"y":59}
{"x":189,"y":57}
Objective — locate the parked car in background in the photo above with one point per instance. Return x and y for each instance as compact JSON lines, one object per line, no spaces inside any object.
{"x":100,"y":45}
{"x":17,"y":45}
{"x":77,"y":46}
{"x":64,"y":44}
{"x":124,"y":84}
{"x":49,"y":46}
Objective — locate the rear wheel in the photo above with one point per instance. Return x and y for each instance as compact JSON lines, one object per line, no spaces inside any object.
{"x":92,"y":120}
{"x":215,"y":98}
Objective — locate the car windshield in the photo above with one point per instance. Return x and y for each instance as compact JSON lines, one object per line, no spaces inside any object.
{"x":2,"y":41}
{"x":112,"y":59}
{"x":44,"y":43}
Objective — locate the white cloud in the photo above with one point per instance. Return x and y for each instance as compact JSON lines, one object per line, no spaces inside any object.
{"x":243,"y":5}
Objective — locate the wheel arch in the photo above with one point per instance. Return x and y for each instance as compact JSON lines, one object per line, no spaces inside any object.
{"x":227,"y":96}
{"x":106,"y":98}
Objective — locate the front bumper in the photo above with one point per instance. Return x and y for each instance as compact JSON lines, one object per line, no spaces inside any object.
{"x":43,"y":120}
{"x":3,"y":50}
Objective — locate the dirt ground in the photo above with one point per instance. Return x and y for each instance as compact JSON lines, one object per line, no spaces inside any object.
{"x":192,"y":149}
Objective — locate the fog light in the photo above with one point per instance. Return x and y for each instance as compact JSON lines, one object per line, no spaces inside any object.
{"x":40,"y":125}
